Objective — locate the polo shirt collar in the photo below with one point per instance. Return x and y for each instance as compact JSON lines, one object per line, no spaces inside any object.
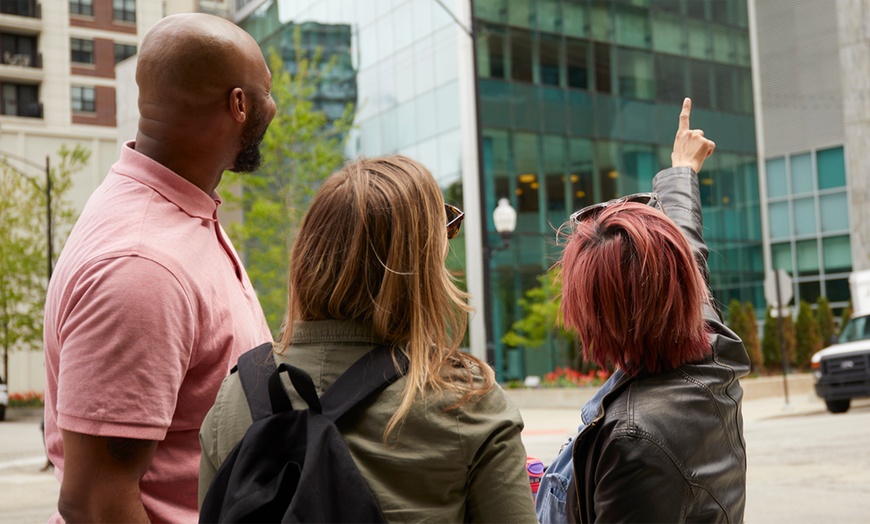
{"x":178,"y":190}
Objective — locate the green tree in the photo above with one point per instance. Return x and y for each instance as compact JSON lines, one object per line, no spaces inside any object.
{"x":770,"y":347}
{"x":845,"y":315}
{"x":741,"y":320}
{"x":825,"y":320}
{"x":24,"y":246}
{"x":301,"y":148}
{"x":807,"y":340}
{"x":541,"y":319}
{"x":750,"y":341}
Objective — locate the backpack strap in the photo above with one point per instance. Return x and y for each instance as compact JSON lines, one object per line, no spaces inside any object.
{"x":255,"y":367}
{"x":372,"y":373}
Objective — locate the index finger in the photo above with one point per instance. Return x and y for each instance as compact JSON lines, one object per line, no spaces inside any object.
{"x":684,"y":115}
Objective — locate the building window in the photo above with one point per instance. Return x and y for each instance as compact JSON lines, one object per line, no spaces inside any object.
{"x":124,"y":10}
{"x":81,"y":7}
{"x":83,"y":99}
{"x":124,"y":51}
{"x":20,"y":100}
{"x":18,"y":50}
{"x":81,"y":51}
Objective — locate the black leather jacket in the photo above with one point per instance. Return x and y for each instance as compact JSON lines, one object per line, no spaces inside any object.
{"x":669,"y":447}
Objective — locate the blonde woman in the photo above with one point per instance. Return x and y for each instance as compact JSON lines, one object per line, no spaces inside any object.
{"x":441,"y":444}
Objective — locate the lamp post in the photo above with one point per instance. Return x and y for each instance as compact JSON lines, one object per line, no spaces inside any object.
{"x":505,"y":220}
{"x":4,"y":159}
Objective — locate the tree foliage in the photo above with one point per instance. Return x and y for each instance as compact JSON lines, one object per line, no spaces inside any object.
{"x":807,"y":340}
{"x":750,"y":341}
{"x":825,"y":320}
{"x":541,"y":320}
{"x":845,"y":315}
{"x":301,"y":148}
{"x":770,"y":346}
{"x":741,"y":320}
{"x":24,"y":244}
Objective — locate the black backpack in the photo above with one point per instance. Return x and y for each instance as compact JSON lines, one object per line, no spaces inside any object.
{"x":293,"y":465}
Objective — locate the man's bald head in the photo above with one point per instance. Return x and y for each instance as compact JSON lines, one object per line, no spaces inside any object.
{"x":192,"y":61}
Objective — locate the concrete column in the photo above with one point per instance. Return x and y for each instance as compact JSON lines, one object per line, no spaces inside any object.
{"x":853,"y":20}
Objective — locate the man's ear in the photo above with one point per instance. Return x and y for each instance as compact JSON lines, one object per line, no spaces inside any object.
{"x":238,"y":107}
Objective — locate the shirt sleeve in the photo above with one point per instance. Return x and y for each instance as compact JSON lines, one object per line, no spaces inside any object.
{"x":126,"y":336}
{"x":499,"y":484}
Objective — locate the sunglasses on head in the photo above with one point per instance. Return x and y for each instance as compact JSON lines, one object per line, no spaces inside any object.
{"x":650,"y":199}
{"x":454,"y":220}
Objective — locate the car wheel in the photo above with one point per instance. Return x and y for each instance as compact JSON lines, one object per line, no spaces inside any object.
{"x":838,"y":406}
{"x":2,"y":413}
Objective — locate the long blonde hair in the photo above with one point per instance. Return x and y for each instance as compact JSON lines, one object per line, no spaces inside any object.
{"x":371,"y":249}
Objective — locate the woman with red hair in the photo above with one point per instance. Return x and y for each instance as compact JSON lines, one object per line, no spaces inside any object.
{"x":663,"y":441}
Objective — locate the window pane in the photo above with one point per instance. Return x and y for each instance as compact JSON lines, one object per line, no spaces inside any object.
{"x":837,"y":253}
{"x":837,"y":290}
{"x":490,"y":54}
{"x":581,"y":174}
{"x":602,"y":21}
{"x":832,"y":168}
{"x":671,"y":77}
{"x":577,"y":54}
{"x":801,"y":174}
{"x":554,"y":149}
{"x":520,"y":14}
{"x":781,"y":256}
{"x":608,"y":169}
{"x":835,"y":212}
{"x":521,"y":56}
{"x":632,"y":27}
{"x":576,"y":13}
{"x":723,"y":44}
{"x":639,"y":166}
{"x":809,"y":291}
{"x":807,"y":257}
{"x":668,"y":35}
{"x":549,"y":60}
{"x":779,"y":222}
{"x":804,"y":216}
{"x":636,"y":74}
{"x":700,"y":84}
{"x":602,"y":68}
{"x":699,"y":39}
{"x":527,"y":179}
{"x":495,"y":10}
{"x":777,"y":183}
{"x":549,"y":16}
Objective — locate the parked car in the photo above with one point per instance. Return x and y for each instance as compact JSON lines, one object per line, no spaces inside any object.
{"x":842,"y":371}
{"x":4,"y":400}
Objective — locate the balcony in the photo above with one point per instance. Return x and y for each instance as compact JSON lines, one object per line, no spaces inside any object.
{"x":25,"y":109}
{"x":28,"y":8}
{"x":21,"y":59}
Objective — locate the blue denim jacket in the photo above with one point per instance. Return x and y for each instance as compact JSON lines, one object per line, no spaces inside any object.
{"x":553,"y":492}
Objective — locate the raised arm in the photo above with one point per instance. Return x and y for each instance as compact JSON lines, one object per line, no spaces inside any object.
{"x":677,"y":187}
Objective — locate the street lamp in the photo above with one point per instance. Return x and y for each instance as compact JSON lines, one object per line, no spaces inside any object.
{"x":505,"y":220}
{"x":4,"y":159}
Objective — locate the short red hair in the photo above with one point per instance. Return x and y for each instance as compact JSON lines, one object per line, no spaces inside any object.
{"x":632,"y":291}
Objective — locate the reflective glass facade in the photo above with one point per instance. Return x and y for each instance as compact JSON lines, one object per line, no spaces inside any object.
{"x":579,"y":103}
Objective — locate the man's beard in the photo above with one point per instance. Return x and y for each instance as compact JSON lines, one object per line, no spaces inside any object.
{"x":249,"y":158}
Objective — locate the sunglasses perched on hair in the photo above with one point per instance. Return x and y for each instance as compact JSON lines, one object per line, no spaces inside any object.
{"x":650,"y":199}
{"x":454,"y":220}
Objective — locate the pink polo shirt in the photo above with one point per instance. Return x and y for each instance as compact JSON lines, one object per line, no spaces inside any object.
{"x":148,"y":309}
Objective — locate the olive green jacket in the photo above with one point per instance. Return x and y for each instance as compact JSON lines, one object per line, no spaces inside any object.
{"x":465,"y":464}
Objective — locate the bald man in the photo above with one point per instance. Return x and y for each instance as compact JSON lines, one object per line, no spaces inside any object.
{"x":150,"y":306}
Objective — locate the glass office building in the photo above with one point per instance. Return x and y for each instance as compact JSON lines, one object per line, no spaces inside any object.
{"x":577,"y":102}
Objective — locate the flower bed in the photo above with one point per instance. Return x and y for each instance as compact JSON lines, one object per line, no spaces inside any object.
{"x":29,"y":399}
{"x":567,"y":377}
